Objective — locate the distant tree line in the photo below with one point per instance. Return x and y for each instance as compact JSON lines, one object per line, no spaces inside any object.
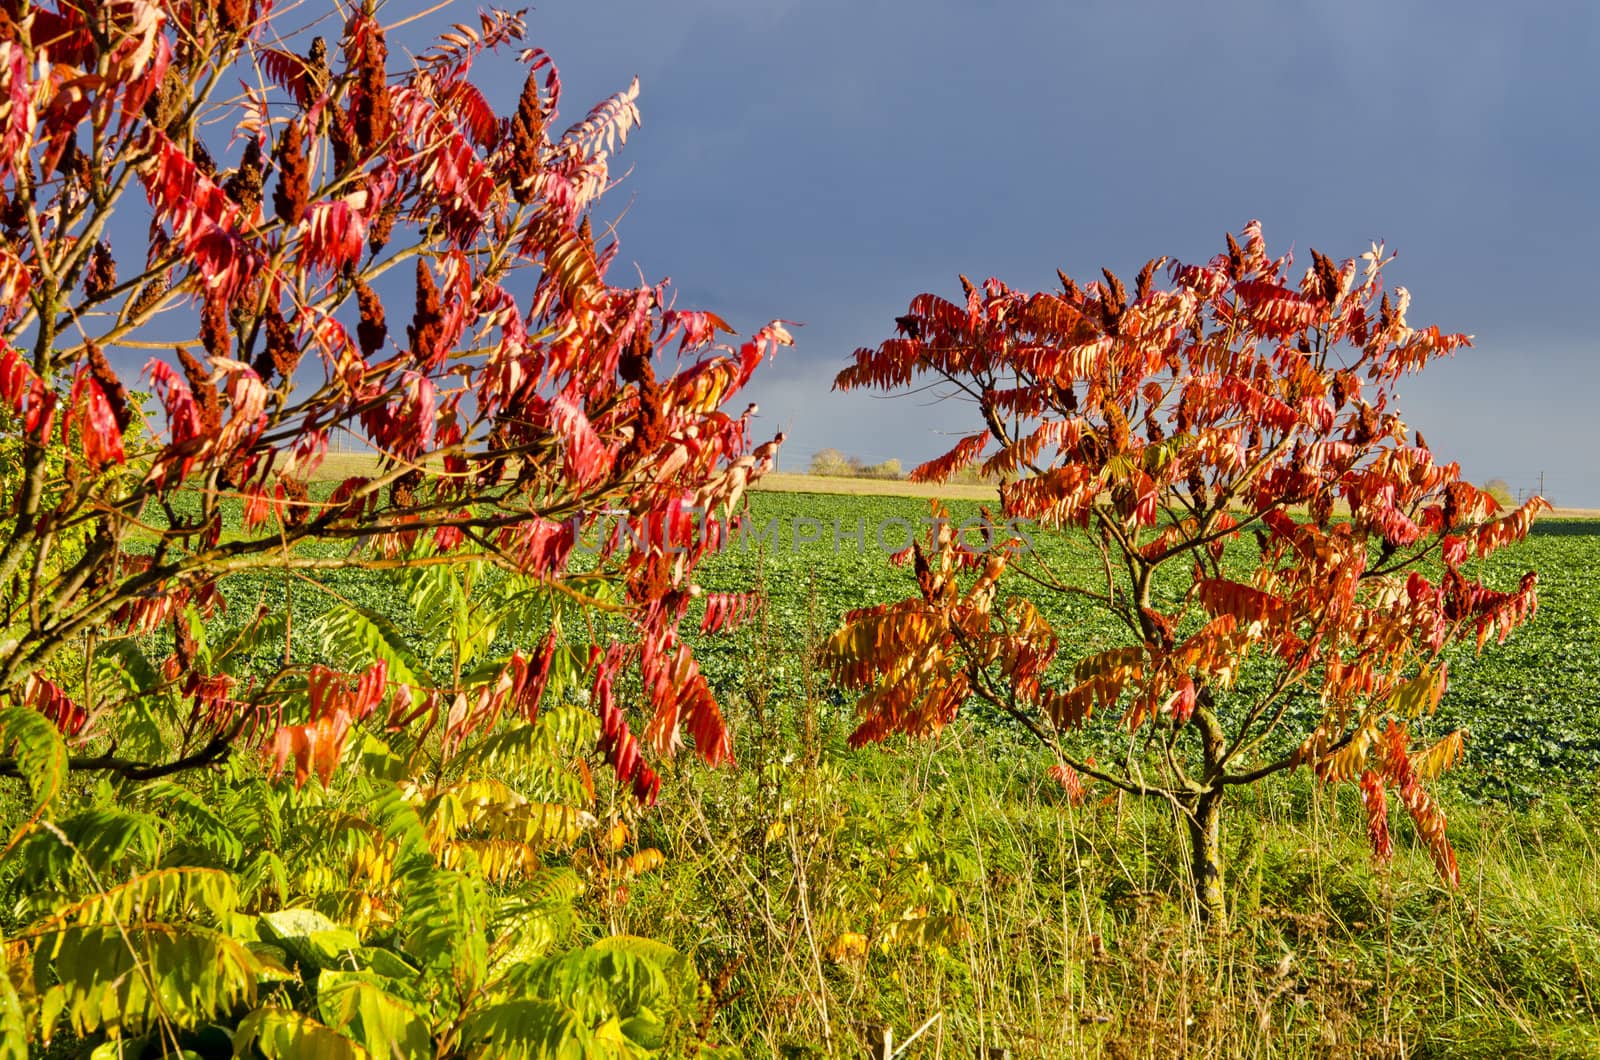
{"x":836,"y":463}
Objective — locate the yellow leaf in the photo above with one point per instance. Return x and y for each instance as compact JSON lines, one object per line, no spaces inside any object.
{"x":846,"y":946}
{"x":1420,"y":694}
{"x":647,"y":860}
{"x":618,"y":836}
{"x":1429,"y":764}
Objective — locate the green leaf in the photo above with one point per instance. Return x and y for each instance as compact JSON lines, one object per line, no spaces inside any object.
{"x":535,"y":1030}
{"x":309,"y":937}
{"x":282,"y":1034}
{"x":386,"y":963}
{"x":41,"y":756}
{"x":353,"y":1004}
{"x":202,"y":644}
{"x":379,"y":761}
{"x":120,"y":667}
{"x":200,"y":820}
{"x":102,"y":840}
{"x":13,"y":1025}
{"x":164,"y":893}
{"x":634,"y":983}
{"x":359,"y":633}
{"x":123,"y":978}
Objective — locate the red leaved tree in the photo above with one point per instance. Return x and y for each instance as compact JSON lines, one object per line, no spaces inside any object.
{"x":264,"y":191}
{"x":1228,"y":450}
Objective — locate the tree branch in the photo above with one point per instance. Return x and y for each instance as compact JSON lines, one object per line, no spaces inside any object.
{"x":216,"y":750}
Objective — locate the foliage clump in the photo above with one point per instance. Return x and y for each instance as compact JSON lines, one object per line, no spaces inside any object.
{"x":355,"y":251}
{"x":1285,"y":558}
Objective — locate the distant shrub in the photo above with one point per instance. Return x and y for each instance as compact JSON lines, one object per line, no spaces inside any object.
{"x":833,"y":462}
{"x":836,"y":463}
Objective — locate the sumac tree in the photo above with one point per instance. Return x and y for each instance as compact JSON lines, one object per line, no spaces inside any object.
{"x":1285,"y":559}
{"x":344,"y":247}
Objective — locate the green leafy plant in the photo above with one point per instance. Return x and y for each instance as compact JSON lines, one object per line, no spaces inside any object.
{"x":417,"y":903}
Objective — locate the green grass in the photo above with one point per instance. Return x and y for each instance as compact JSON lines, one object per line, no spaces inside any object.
{"x":1063,"y":930}
{"x":1060,"y":931}
{"x":835,"y":893}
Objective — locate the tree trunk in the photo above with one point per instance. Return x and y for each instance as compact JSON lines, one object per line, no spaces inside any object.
{"x":1205,"y":842}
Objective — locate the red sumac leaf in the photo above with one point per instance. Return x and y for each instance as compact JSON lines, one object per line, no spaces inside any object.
{"x":48,"y":699}
{"x":1377,"y":807}
{"x":331,"y":235}
{"x":89,"y":408}
{"x":1070,"y":781}
{"x":25,"y":392}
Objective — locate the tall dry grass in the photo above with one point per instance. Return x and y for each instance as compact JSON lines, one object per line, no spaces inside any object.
{"x":843,"y":900}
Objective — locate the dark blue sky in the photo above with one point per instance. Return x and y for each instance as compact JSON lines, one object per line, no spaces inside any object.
{"x":824,"y":161}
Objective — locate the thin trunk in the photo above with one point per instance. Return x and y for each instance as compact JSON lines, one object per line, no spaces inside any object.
{"x":1205,"y":842}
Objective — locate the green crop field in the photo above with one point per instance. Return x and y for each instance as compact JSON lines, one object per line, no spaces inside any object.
{"x":1531,"y":707}
{"x":831,"y":895}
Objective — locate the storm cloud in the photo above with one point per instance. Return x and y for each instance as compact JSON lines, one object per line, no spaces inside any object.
{"x":824,"y":161}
